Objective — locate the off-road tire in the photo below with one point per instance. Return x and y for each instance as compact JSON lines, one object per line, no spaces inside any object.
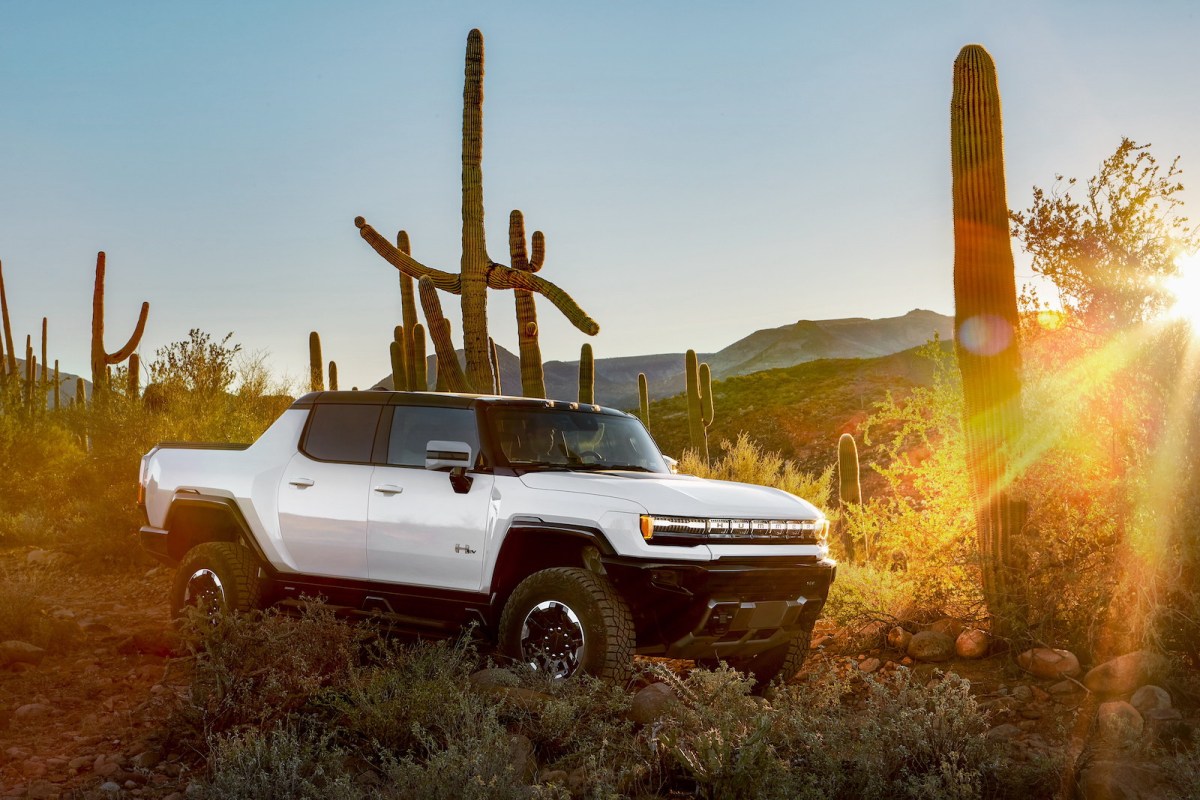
{"x":780,"y":663}
{"x":234,"y":566}
{"x":603,"y":614}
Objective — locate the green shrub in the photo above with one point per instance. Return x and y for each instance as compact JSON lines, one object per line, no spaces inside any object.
{"x":23,"y":614}
{"x":278,"y":764}
{"x":745,"y":461}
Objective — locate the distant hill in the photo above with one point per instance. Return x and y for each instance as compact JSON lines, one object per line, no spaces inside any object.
{"x":66,"y":392}
{"x":770,"y":348}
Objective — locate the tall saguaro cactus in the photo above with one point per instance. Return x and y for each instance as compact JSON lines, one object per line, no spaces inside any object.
{"x":699,"y":402}
{"x":449,"y":371}
{"x":333,"y":376}
{"x":45,"y":369}
{"x":587,"y":375}
{"x":985,"y":329}
{"x":477,"y":272}
{"x":11,"y":347}
{"x":101,"y":358}
{"x":401,"y":368}
{"x":533,"y":379}
{"x":849,"y":488}
{"x":316,"y":366}
{"x":408,"y":310}
{"x":134,"y":378}
{"x":644,"y":399}
{"x":416,"y":360}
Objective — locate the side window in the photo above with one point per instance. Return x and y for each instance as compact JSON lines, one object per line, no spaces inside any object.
{"x":342,"y":432}
{"x":413,"y":427}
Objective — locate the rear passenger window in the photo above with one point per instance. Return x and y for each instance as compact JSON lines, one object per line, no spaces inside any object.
{"x":413,"y":427}
{"x":342,"y":433}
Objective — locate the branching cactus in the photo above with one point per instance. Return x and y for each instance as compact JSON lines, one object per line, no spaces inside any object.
{"x":11,"y":346}
{"x":417,"y":359}
{"x":533,"y":379}
{"x":101,"y":358}
{"x":477,"y":272}
{"x":697,"y":405}
{"x":644,"y":399}
{"x":849,"y":489}
{"x":450,"y":373}
{"x":316,"y":371}
{"x":587,"y":375}
{"x":985,"y":330}
{"x":333,"y":381}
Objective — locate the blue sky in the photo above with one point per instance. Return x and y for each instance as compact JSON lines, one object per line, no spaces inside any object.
{"x":700,"y":170}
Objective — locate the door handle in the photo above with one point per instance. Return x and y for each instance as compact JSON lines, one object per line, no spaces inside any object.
{"x":388,"y":488}
{"x":302,"y":483}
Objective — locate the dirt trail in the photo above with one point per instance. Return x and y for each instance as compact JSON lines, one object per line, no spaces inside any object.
{"x":91,"y":714}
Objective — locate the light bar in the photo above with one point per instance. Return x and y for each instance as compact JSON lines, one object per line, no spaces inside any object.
{"x":693,"y":530}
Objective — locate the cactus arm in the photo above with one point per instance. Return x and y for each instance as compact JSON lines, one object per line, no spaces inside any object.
{"x":446,"y":281}
{"x":502,"y":277}
{"x":707,"y":412}
{"x":449,"y":370}
{"x":516,"y":241}
{"x":9,"y":351}
{"x":533,"y":379}
{"x":495,"y":358}
{"x":539,"y":252}
{"x":134,"y":340}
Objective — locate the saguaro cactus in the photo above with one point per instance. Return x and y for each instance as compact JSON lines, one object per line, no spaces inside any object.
{"x":408,"y":311}
{"x":316,"y":371}
{"x":699,"y":404}
{"x":399,"y":358}
{"x":45,"y":368}
{"x":644,"y":399}
{"x":333,"y":382}
{"x":57,"y":387}
{"x":477,"y":272}
{"x":134,"y":378}
{"x":495,"y":359}
{"x":449,"y":371}
{"x":587,"y":375}
{"x":101,"y":358}
{"x":11,"y":346}
{"x":849,"y":488}
{"x":80,"y":392}
{"x":985,"y":329}
{"x":417,"y":360}
{"x":533,"y":379}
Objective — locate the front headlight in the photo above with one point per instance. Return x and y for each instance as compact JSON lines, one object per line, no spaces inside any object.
{"x":694,"y":530}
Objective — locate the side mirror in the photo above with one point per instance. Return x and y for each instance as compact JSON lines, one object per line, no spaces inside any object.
{"x":454,"y":456}
{"x":672,"y":464}
{"x":448,"y":455}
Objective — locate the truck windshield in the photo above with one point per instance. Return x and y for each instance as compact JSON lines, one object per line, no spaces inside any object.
{"x":547,"y":438}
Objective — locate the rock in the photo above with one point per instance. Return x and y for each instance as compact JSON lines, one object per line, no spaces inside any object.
{"x":899,"y":638}
{"x":1150,"y":697}
{"x":109,"y":786}
{"x":1119,"y":780}
{"x":1022,"y":693}
{"x":33,"y":769}
{"x":1124,"y":674}
{"x":1003,"y":732}
{"x":1118,"y":719}
{"x":1044,"y":662}
{"x":31,"y":711}
{"x":951,"y":627}
{"x":931,"y":646}
{"x":972,"y":644}
{"x":160,"y":643}
{"x":493,"y":677}
{"x":1162,"y":715}
{"x":14,"y":652}
{"x":40,"y":558}
{"x":79,"y":762}
{"x":147,"y":759}
{"x":1064,"y":688}
{"x":520,"y":755}
{"x":821,"y":641}
{"x":869,"y":665}
{"x":650,"y":702}
{"x":558,"y":776}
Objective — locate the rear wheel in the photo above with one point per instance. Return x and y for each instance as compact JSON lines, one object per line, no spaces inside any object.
{"x":565,"y":621}
{"x":220,"y":576}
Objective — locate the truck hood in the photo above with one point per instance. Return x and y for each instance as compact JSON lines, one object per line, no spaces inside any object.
{"x":679,"y":495}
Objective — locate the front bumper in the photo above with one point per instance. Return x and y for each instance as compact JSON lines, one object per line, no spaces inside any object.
{"x":721,"y":609}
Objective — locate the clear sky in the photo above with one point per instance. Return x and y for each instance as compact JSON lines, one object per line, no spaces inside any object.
{"x":700,"y":169}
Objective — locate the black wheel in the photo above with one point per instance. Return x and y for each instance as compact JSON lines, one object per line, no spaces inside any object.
{"x":217,"y":575}
{"x":565,"y":621}
{"x":779,"y":663}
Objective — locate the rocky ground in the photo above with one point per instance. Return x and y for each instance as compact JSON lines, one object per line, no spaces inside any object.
{"x":86,"y":716}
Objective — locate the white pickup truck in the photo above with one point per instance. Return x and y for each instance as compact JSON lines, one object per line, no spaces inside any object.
{"x":558,"y":528}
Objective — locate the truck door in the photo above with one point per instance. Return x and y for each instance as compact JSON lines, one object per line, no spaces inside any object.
{"x":421,"y":531}
{"x":323,"y":494}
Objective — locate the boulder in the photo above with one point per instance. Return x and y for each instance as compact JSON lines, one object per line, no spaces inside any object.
{"x":14,"y":652}
{"x":1149,"y":698}
{"x":899,"y":638}
{"x":1004,"y":732}
{"x":869,"y":665}
{"x":520,"y":755}
{"x":1049,"y":663}
{"x":1119,"y":780}
{"x":650,"y":702}
{"x":948,"y":626}
{"x":1118,"y":718}
{"x":931,"y":646}
{"x":1124,"y":674}
{"x":972,"y":643}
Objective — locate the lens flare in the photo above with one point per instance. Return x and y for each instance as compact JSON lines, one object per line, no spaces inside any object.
{"x":985,"y":334}
{"x":1183,"y":289}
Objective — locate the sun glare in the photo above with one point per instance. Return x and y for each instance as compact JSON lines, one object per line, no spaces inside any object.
{"x":1184,"y":288}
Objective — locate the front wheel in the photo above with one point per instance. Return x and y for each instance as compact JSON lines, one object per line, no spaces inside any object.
{"x":221,"y":576}
{"x":565,"y":621}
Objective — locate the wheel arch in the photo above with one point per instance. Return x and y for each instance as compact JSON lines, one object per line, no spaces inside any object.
{"x":194,"y":519}
{"x":530,"y":547}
